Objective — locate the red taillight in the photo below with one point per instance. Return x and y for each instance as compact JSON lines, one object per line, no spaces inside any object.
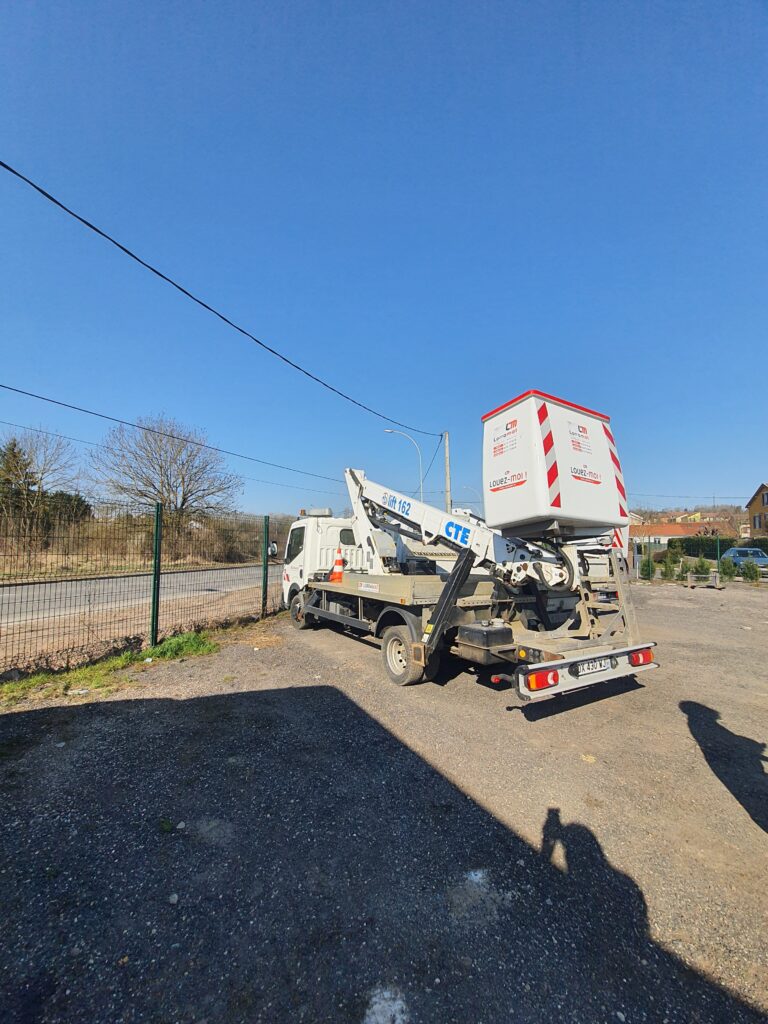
{"x":641,"y":657}
{"x":542,"y":680}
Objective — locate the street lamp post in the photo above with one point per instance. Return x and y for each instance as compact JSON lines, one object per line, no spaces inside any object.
{"x":387,"y":430}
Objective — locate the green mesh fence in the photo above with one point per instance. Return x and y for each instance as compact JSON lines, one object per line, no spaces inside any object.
{"x":76,"y":581}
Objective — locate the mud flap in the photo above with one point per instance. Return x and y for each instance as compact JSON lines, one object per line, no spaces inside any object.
{"x":419,"y":654}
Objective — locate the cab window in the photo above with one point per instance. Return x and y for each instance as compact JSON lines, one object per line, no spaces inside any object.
{"x":347,"y":537}
{"x":295,"y":544}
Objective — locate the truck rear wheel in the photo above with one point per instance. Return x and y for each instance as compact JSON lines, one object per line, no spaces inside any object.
{"x":296,"y":609}
{"x":398,"y":658}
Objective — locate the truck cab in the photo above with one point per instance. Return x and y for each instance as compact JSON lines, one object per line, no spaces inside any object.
{"x":316,"y":536}
{"x":310,"y":550}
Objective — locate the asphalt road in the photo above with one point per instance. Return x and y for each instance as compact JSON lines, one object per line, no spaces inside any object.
{"x":31,"y":601}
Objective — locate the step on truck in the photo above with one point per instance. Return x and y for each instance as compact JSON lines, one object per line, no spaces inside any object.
{"x":537,"y":591}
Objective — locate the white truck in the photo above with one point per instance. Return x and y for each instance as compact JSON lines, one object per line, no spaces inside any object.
{"x":538,"y":590}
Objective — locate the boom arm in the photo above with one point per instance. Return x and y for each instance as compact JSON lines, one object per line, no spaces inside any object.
{"x":509,"y":559}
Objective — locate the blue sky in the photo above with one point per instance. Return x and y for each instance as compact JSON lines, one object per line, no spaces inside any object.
{"x":435,"y":206}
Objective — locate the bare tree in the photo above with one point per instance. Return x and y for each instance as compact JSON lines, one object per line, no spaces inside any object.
{"x":33,"y":465}
{"x":164,"y":462}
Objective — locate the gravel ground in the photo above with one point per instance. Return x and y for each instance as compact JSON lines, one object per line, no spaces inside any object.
{"x":282,"y":835}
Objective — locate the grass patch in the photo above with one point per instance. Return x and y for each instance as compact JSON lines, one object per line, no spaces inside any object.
{"x":99,"y":676}
{"x":185,"y":645}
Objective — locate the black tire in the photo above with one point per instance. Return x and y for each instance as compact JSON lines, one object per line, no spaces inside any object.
{"x":398,"y":658}
{"x":296,"y":608}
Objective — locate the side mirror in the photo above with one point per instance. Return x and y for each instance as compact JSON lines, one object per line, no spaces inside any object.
{"x":272,"y":549}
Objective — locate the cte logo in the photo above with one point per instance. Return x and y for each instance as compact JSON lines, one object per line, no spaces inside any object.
{"x":457,"y":532}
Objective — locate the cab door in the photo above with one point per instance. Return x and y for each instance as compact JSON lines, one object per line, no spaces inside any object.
{"x":293,"y":570}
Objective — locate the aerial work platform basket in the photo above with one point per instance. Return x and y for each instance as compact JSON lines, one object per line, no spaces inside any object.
{"x":550,"y":465}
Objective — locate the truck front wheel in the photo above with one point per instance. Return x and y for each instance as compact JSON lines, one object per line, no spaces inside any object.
{"x":398,"y":658}
{"x":296,"y":609}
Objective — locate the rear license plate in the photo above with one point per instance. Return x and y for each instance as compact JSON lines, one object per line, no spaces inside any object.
{"x":585,"y":668}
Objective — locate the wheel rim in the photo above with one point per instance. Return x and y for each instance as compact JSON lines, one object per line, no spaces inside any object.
{"x":396,"y":658}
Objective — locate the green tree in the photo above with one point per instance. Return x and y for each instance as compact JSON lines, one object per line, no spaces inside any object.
{"x":71,"y":506}
{"x":749,"y":571}
{"x":647,"y":569}
{"x":702,"y":567}
{"x":727,"y":568}
{"x":685,"y":568}
{"x":32,"y":464}
{"x":668,"y":567}
{"x":16,"y":478}
{"x":675,"y":548}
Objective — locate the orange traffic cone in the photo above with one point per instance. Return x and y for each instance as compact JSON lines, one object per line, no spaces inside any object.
{"x":337,"y":573}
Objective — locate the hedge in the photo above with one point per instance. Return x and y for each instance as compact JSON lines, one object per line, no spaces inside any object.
{"x":706,"y":547}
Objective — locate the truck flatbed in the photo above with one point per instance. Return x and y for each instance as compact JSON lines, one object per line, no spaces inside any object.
{"x":414,"y":590}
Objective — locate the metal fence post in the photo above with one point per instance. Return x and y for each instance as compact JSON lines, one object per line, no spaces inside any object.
{"x":156,"y":562}
{"x":264,"y":565}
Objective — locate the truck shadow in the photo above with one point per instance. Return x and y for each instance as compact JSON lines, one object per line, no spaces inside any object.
{"x":324,"y":872}
{"x":566,"y":702}
{"x":452,"y":667}
{"x":736,"y":760}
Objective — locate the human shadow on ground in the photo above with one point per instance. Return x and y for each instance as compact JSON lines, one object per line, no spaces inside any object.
{"x":736,"y":760}
{"x":324,"y":872}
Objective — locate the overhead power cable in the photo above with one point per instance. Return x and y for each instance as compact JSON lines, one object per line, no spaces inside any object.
{"x":251,"y":479}
{"x":53,"y":433}
{"x":163,"y":433}
{"x":200,"y":302}
{"x":434,"y":456}
{"x":97,"y":444}
{"x":416,"y":490}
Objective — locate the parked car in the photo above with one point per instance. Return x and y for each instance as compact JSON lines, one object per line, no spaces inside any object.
{"x":741,"y":555}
